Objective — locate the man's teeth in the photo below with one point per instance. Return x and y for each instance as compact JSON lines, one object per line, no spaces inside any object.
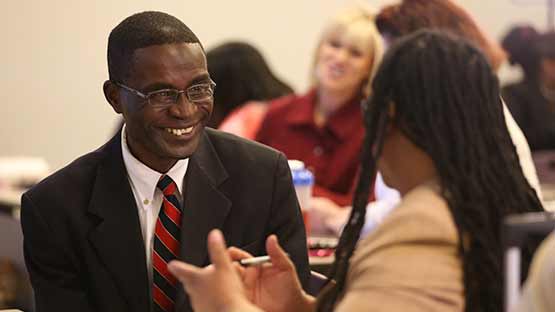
{"x":180,"y":131}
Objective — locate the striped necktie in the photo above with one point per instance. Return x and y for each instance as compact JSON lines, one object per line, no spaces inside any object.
{"x":166,"y":247}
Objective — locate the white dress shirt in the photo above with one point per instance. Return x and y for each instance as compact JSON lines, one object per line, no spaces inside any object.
{"x":148,"y":197}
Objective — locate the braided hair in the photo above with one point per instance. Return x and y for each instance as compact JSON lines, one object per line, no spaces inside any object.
{"x":446,"y":100}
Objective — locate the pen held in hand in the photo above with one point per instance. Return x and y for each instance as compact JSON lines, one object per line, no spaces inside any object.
{"x":255,"y":261}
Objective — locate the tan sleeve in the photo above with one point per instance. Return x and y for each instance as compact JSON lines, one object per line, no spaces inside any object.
{"x":409,"y":264}
{"x":388,"y":300}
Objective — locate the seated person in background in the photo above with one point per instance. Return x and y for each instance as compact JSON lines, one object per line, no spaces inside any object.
{"x":520,"y":44}
{"x":242,"y":77}
{"x":322,"y":127}
{"x":539,"y":290}
{"x":435,"y":97}
{"x":11,"y":284}
{"x":98,"y":234}
{"x":15,"y":287}
{"x":532,"y":100}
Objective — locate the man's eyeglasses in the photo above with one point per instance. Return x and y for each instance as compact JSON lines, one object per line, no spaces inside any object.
{"x":198,"y":94}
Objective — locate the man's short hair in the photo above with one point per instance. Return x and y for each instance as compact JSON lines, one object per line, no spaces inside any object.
{"x":139,"y":31}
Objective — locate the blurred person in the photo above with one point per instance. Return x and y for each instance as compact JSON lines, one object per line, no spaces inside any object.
{"x":408,"y":16}
{"x":98,"y":234}
{"x":539,"y":290}
{"x":15,"y":287}
{"x":322,"y":127}
{"x":532,"y":100}
{"x":242,"y":75}
{"x":11,"y":285}
{"x":434,"y":97}
{"x":520,"y":45}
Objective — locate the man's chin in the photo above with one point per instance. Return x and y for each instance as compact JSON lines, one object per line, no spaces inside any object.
{"x":183,"y":152}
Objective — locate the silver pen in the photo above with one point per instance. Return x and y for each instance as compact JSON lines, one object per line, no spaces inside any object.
{"x":254,"y":261}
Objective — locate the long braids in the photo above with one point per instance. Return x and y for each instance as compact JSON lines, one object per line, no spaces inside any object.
{"x":375,"y":121}
{"x":447,"y":102}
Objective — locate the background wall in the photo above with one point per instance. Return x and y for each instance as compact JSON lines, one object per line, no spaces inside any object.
{"x":53,"y":57}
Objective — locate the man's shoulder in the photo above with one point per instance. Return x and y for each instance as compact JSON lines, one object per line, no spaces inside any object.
{"x":76,"y":175}
{"x":228,"y":145}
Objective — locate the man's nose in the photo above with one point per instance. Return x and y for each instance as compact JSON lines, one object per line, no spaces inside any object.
{"x":183,"y":107}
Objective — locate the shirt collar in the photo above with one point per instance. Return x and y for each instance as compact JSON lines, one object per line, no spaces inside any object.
{"x":303,"y":114}
{"x":341,"y":123}
{"x":144,"y":178}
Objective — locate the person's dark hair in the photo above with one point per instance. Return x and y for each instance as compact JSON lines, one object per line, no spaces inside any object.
{"x":241,"y":74}
{"x":139,"y":31}
{"x":520,"y":44}
{"x":445,"y":99}
{"x":545,"y":44}
{"x":401,"y":19}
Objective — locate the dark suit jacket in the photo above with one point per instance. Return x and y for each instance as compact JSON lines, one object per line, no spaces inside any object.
{"x":82,"y":237}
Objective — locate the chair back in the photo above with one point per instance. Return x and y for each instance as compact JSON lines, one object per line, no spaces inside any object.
{"x":522,"y":230}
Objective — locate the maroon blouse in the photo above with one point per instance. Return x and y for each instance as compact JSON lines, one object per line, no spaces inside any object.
{"x":331,"y":152}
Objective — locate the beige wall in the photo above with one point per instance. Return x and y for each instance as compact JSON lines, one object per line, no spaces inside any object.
{"x":53,"y":57}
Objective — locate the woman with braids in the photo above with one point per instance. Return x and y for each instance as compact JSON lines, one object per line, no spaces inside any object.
{"x":407,"y":16}
{"x":435,"y":129}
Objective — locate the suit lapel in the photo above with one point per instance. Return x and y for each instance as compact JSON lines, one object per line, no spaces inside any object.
{"x":117,"y":238}
{"x":205,"y":207}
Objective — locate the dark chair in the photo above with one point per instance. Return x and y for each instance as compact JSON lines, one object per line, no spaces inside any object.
{"x":525,"y":230}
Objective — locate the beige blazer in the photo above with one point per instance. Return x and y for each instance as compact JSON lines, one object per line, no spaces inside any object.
{"x":410,"y":263}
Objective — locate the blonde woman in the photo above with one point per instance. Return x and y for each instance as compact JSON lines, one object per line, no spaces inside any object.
{"x":323,"y":126}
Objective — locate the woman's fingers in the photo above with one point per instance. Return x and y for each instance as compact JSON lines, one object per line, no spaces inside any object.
{"x":238,"y":254}
{"x":277,"y":254}
{"x":218,"y":250}
{"x":184,"y":272}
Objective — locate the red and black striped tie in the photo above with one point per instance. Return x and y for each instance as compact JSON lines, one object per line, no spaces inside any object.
{"x":166,"y":247}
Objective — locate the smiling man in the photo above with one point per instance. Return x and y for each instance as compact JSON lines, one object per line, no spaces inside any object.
{"x":100,"y":232}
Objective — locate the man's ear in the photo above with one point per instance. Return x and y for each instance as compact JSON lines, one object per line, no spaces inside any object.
{"x":112,"y":96}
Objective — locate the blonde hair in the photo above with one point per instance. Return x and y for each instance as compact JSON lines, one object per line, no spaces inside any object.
{"x":357,"y":23}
